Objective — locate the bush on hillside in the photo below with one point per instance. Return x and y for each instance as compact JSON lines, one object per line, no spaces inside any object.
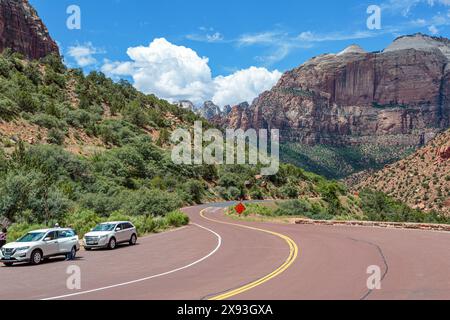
{"x":302,"y":207}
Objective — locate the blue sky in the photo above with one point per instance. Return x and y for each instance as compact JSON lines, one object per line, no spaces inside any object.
{"x":226,"y":51}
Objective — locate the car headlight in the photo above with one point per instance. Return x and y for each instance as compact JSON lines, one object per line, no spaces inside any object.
{"x":103,"y":237}
{"x":22,"y":249}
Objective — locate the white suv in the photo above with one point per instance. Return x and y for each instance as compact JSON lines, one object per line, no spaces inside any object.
{"x":38,"y":245}
{"x":110,"y":234}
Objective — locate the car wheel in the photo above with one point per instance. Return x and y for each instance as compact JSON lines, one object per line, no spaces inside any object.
{"x":36,"y":257}
{"x":72,"y":255}
{"x":8,"y":264}
{"x":112,"y":244}
{"x":133,"y":240}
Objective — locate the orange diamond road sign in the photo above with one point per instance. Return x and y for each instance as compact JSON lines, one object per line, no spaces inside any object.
{"x":240,"y":208}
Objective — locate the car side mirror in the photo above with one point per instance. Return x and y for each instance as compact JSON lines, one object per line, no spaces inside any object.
{"x":47,"y":239}
{"x":118,"y":229}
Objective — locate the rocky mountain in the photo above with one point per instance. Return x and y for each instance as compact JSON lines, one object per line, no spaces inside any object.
{"x":346,"y":97}
{"x":186,"y":104}
{"x":209,"y":110}
{"x":398,"y":98}
{"x":421,"y":180}
{"x":22,"y":30}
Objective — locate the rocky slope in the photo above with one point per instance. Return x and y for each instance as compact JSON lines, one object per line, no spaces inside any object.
{"x":421,"y":180}
{"x":22,"y":30}
{"x":354,"y":96}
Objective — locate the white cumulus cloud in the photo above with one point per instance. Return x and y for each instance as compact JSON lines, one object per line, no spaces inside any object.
{"x":243,"y":85}
{"x":83,"y":54}
{"x":178,"y":73}
{"x":433,"y":29}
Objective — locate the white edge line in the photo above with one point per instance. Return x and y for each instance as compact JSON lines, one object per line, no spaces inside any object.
{"x":219,"y":244}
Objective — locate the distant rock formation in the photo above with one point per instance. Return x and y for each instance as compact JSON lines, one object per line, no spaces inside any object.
{"x":186,"y":104}
{"x":22,"y":30}
{"x":355,"y":96}
{"x":210,"y":110}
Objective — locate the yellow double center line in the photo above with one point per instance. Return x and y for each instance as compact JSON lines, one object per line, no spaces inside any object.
{"x":293,"y":253}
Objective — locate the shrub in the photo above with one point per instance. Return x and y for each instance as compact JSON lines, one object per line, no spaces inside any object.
{"x":194,"y":190}
{"x":51,"y":77}
{"x":161,"y":224}
{"x":82,"y":221}
{"x":377,"y":206}
{"x":54,"y":62}
{"x":57,"y":163}
{"x":32,"y":72}
{"x":230,"y":180}
{"x":17,"y":230}
{"x":177,"y":218}
{"x":143,"y":224}
{"x":48,"y":121}
{"x":256,"y":194}
{"x":8,"y":109}
{"x":117,"y":132}
{"x":233,"y":193}
{"x":330,"y":194}
{"x":42,"y":202}
{"x":289,"y":191}
{"x":258,"y":209}
{"x":101,"y":203}
{"x":81,"y":118}
{"x":25,"y":101}
{"x":135,"y":114}
{"x":5,"y":67}
{"x":149,"y":202}
{"x":164,"y":138}
{"x":56,"y":136}
{"x":302,"y":207}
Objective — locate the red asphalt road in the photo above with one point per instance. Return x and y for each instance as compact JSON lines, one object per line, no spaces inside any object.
{"x":197,"y":263}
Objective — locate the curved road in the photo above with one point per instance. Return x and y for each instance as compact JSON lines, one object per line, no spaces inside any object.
{"x":216,"y":257}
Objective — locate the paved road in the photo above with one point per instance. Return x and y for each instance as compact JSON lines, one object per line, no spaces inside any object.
{"x":219,"y":258}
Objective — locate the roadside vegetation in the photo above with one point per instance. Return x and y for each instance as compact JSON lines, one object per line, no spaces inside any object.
{"x":367,"y":206}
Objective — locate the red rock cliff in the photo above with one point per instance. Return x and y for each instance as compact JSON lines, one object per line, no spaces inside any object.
{"x":401,"y":93}
{"x":23,"y":31}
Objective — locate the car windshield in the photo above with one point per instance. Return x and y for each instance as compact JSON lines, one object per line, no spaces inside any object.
{"x":104,"y":227}
{"x":32,"y":237}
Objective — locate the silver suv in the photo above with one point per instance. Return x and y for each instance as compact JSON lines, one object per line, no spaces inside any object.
{"x":110,"y":234}
{"x":38,"y":245}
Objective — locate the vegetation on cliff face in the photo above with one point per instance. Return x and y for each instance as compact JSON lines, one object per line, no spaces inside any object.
{"x":337,"y":162}
{"x":421,"y":180}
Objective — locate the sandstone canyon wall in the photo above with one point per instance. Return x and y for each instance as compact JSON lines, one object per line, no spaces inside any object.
{"x":398,"y":96}
{"x":23,"y":31}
